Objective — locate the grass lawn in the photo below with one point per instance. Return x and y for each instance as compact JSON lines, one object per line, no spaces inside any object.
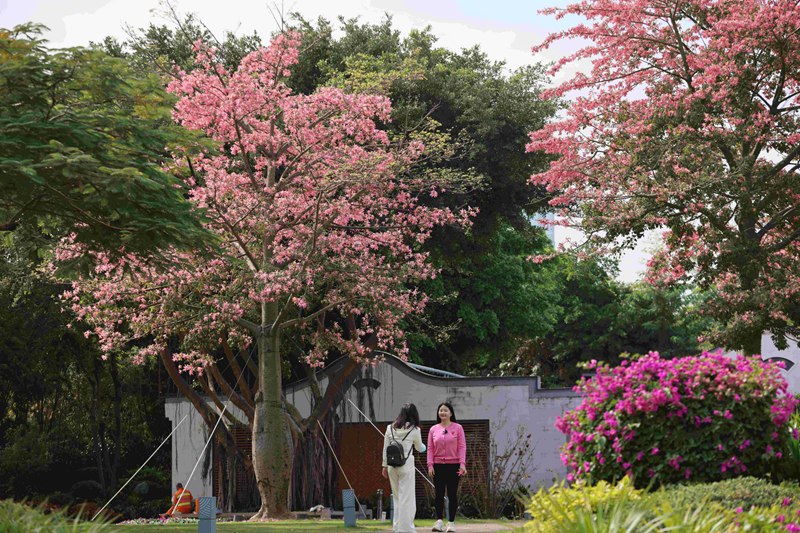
{"x":308,"y":526}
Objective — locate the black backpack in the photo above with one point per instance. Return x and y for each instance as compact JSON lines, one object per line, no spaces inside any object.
{"x":394,"y":451}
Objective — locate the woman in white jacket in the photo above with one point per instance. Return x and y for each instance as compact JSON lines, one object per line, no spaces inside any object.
{"x":405,"y":432}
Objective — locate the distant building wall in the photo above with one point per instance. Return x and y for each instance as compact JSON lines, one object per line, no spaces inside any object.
{"x":515,"y":407}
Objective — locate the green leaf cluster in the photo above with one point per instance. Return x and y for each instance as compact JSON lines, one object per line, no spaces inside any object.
{"x":84,"y":149}
{"x":598,"y":317}
{"x":742,"y":492}
{"x":161,"y":48}
{"x":562,"y":499}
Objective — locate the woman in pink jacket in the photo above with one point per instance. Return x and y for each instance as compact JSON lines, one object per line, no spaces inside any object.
{"x":447,"y":461}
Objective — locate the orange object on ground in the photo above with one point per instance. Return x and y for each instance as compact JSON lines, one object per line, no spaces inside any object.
{"x":184,"y":505}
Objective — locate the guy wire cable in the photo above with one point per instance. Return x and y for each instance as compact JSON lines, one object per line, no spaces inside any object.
{"x":381,"y":433}
{"x":250,"y":355}
{"x":143,"y":464}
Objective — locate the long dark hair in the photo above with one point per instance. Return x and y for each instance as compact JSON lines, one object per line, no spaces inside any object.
{"x":408,"y":416}
{"x":452,"y":412}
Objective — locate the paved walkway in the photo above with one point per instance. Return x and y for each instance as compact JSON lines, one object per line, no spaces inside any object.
{"x":479,"y":528}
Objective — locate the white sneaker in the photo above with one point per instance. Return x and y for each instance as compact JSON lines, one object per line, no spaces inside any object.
{"x":438,"y":526}
{"x":451,"y":527}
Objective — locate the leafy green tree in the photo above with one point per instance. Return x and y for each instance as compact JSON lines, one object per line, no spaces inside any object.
{"x":161,"y":48}
{"x":601,"y":318}
{"x":84,"y":147}
{"x":665,"y":319}
{"x":479,"y":112}
{"x":504,"y":300}
{"x":588,"y":328}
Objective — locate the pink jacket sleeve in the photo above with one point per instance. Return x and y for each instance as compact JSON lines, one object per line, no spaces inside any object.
{"x":430,"y":448}
{"x":462,"y":446}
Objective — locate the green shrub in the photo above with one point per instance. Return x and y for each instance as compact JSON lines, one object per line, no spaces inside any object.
{"x":695,"y":517}
{"x":562,"y":501}
{"x":24,"y":461}
{"x":790,"y":467}
{"x":609,"y":517}
{"x":21,"y":518}
{"x":151,"y":483}
{"x":609,"y":509}
{"x":743,"y":492}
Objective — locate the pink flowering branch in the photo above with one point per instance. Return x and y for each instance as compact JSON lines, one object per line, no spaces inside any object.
{"x":687,"y":120}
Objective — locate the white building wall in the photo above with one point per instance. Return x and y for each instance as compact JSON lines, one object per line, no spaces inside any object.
{"x":189,"y":450}
{"x":792,"y":354}
{"x":515,"y":408}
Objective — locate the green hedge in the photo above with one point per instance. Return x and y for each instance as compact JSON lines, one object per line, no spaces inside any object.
{"x":743,"y":492}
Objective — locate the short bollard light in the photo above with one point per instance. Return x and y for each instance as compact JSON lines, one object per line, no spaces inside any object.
{"x":349,"y":507}
{"x":379,"y":515}
{"x":207,"y":515}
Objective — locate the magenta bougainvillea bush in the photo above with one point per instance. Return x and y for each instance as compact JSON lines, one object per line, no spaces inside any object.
{"x":702,"y":418}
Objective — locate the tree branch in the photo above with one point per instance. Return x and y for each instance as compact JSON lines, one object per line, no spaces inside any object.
{"x":223,"y":435}
{"x":251,"y":327}
{"x":315,"y":314}
{"x":228,"y":391}
{"x":205,"y":383}
{"x":241,"y":379}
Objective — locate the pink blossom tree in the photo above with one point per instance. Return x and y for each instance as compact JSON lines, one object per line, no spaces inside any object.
{"x":688,"y":120}
{"x":316,"y":211}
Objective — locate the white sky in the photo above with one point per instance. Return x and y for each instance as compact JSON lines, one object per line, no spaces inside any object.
{"x":504,"y":29}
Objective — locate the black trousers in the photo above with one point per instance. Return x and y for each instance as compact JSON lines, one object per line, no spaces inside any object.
{"x":446,"y":476}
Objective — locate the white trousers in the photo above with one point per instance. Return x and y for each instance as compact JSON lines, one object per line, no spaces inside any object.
{"x":401,"y":478}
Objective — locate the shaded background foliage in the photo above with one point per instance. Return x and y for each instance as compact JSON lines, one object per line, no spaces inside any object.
{"x":71,"y":423}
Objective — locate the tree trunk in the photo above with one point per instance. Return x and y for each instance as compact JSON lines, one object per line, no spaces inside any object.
{"x":748,"y":267}
{"x":113,"y":466}
{"x":752,"y":345}
{"x":751,"y":340}
{"x":99,"y":426}
{"x":272,"y":457}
